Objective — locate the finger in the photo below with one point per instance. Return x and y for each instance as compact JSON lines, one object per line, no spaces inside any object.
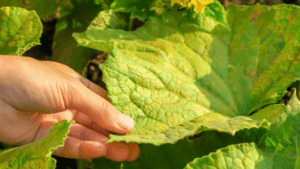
{"x":67,"y":70}
{"x":83,"y":133}
{"x":98,"y":109}
{"x":134,"y":151}
{"x":84,"y":120}
{"x":79,"y":149}
{"x":117,"y":151}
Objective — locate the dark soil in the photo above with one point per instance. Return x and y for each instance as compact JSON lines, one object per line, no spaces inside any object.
{"x":92,"y":70}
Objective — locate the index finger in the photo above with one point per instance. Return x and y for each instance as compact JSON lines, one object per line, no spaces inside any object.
{"x":98,"y":109}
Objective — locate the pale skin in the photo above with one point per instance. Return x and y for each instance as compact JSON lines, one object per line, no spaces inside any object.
{"x":35,"y":94}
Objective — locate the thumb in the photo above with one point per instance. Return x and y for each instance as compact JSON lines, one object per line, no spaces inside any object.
{"x":99,"y":110}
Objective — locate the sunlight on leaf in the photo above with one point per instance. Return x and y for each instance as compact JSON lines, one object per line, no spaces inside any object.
{"x":178,"y":76}
{"x":199,"y":5}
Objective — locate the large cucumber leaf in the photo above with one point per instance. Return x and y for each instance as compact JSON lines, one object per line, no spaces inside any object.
{"x":178,"y":76}
{"x":19,"y":30}
{"x":178,"y":155}
{"x":36,"y":154}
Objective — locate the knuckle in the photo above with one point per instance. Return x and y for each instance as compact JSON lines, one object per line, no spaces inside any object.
{"x":105,"y":107}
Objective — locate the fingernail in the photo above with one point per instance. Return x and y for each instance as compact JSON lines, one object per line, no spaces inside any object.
{"x":125,"y":122}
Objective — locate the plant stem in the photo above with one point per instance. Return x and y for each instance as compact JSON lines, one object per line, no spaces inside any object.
{"x":130,"y":23}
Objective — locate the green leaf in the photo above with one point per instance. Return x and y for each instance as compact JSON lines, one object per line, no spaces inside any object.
{"x":177,"y":76}
{"x":215,"y":11}
{"x":281,"y":142}
{"x":19,"y":30}
{"x":293,"y":105}
{"x":42,"y":8}
{"x":138,"y":8}
{"x":277,"y":150}
{"x":108,"y":19}
{"x":244,"y":155}
{"x":37,"y":154}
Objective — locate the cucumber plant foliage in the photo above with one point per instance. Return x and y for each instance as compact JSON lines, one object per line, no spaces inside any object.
{"x":201,"y":82}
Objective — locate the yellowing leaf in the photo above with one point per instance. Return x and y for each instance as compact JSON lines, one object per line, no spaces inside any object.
{"x":37,"y":154}
{"x":199,"y":5}
{"x":19,"y":30}
{"x":177,"y":76}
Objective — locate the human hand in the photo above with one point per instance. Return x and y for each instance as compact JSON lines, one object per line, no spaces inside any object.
{"x":35,"y":94}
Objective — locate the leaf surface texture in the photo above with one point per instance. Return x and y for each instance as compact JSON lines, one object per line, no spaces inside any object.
{"x":19,"y":30}
{"x":178,"y":75}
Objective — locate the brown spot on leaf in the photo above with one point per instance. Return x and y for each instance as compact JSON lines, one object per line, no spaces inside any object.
{"x":254,"y":17}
